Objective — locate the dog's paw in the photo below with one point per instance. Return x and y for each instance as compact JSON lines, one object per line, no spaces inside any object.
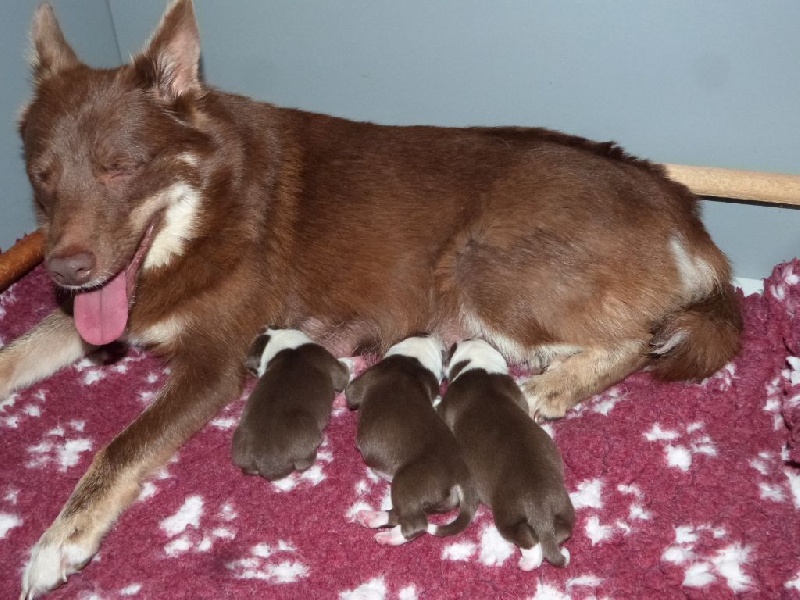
{"x":545,"y":403}
{"x":531,"y":558}
{"x":392,"y":537}
{"x":55,"y":557}
{"x":372,"y":518}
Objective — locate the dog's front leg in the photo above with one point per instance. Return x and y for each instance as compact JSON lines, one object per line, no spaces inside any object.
{"x":49,"y":346}
{"x":199,"y":386}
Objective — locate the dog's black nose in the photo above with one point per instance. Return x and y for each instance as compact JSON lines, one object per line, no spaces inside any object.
{"x":72,"y":269}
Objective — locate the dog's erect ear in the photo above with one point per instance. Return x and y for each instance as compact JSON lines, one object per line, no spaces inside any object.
{"x":172,"y":57}
{"x":51,"y":53}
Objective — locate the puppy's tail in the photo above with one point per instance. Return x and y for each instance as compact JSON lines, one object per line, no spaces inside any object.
{"x":699,"y":339}
{"x":467,"y":505}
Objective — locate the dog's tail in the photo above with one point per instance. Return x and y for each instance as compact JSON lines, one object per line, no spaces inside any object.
{"x":698,"y":339}
{"x":467,"y":505}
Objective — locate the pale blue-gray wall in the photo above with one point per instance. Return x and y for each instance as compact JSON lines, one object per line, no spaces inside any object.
{"x":712,"y":83}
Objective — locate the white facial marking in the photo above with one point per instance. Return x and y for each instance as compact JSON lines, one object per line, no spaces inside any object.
{"x":697,"y":276}
{"x":427,"y":350}
{"x":183,"y":202}
{"x":479,"y":355}
{"x":281,"y":339}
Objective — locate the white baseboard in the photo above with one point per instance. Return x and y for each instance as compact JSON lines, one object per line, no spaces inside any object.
{"x":749,"y":286}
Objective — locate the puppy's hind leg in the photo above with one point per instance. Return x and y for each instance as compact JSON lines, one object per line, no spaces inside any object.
{"x":51,"y":345}
{"x":113,"y":480}
{"x":578,"y":376}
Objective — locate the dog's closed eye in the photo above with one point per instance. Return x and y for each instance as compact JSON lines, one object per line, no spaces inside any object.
{"x":115,"y":172}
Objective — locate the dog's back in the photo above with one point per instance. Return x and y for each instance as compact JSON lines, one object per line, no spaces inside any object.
{"x":516,"y":466}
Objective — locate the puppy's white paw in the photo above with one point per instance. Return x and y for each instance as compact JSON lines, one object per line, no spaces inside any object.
{"x":531,"y":559}
{"x":393,"y":537}
{"x":52,"y":561}
{"x":372,"y":518}
{"x":565,"y":553}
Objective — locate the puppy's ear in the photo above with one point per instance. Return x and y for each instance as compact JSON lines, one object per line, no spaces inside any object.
{"x":254,"y":354}
{"x":51,"y":54}
{"x":171,"y":60}
{"x":354,"y":392}
{"x":340,"y":374}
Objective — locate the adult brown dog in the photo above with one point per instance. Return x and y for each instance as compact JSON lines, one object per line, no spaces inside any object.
{"x":185,"y":218}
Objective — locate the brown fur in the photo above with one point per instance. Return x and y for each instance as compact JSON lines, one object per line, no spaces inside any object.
{"x":282,"y":423}
{"x":356,"y":233}
{"x":517,"y":468}
{"x":399,"y":434}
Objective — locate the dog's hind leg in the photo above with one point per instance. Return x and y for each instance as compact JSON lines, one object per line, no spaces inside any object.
{"x":578,"y":376}
{"x":51,"y":345}
{"x":113,"y":480}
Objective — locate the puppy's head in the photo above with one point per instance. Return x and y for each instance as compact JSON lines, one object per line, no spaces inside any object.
{"x":473,"y":354}
{"x":268,"y":343}
{"x":115,"y":156}
{"x":427,"y":349}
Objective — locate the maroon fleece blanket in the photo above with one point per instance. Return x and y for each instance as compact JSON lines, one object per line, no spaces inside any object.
{"x":681,"y":490}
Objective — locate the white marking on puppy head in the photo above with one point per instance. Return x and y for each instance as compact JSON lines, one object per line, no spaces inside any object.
{"x":478,"y":354}
{"x":697,"y":276}
{"x":180,"y":220}
{"x":426,"y":349}
{"x":281,"y":339}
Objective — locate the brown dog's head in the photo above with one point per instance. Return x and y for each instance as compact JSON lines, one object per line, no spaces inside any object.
{"x":113,"y":157}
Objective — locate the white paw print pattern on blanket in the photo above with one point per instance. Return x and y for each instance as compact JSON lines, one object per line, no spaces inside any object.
{"x":680,"y":447}
{"x":721,"y":559}
{"x":275,"y":564}
{"x":590,"y":496}
{"x":63,"y":445}
{"x":12,"y":415}
{"x":9,"y":518}
{"x":376,"y":589}
{"x":185,"y":530}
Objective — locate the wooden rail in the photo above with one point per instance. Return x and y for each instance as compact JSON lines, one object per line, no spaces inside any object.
{"x":753,"y":186}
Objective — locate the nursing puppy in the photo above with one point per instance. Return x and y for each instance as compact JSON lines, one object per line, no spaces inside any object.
{"x":516,"y":467}
{"x":400,"y":435}
{"x":282,"y":423}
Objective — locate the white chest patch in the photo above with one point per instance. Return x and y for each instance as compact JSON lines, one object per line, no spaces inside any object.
{"x":183,"y":202}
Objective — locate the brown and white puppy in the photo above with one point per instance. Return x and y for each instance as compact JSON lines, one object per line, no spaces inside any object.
{"x":517,"y":468}
{"x":400,"y":435}
{"x":183,"y":218}
{"x":282,"y":423}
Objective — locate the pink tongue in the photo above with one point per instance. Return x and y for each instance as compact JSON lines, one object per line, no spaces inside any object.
{"x":101,"y":315}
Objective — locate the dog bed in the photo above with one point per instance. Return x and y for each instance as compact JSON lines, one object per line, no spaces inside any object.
{"x":682,"y":490}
